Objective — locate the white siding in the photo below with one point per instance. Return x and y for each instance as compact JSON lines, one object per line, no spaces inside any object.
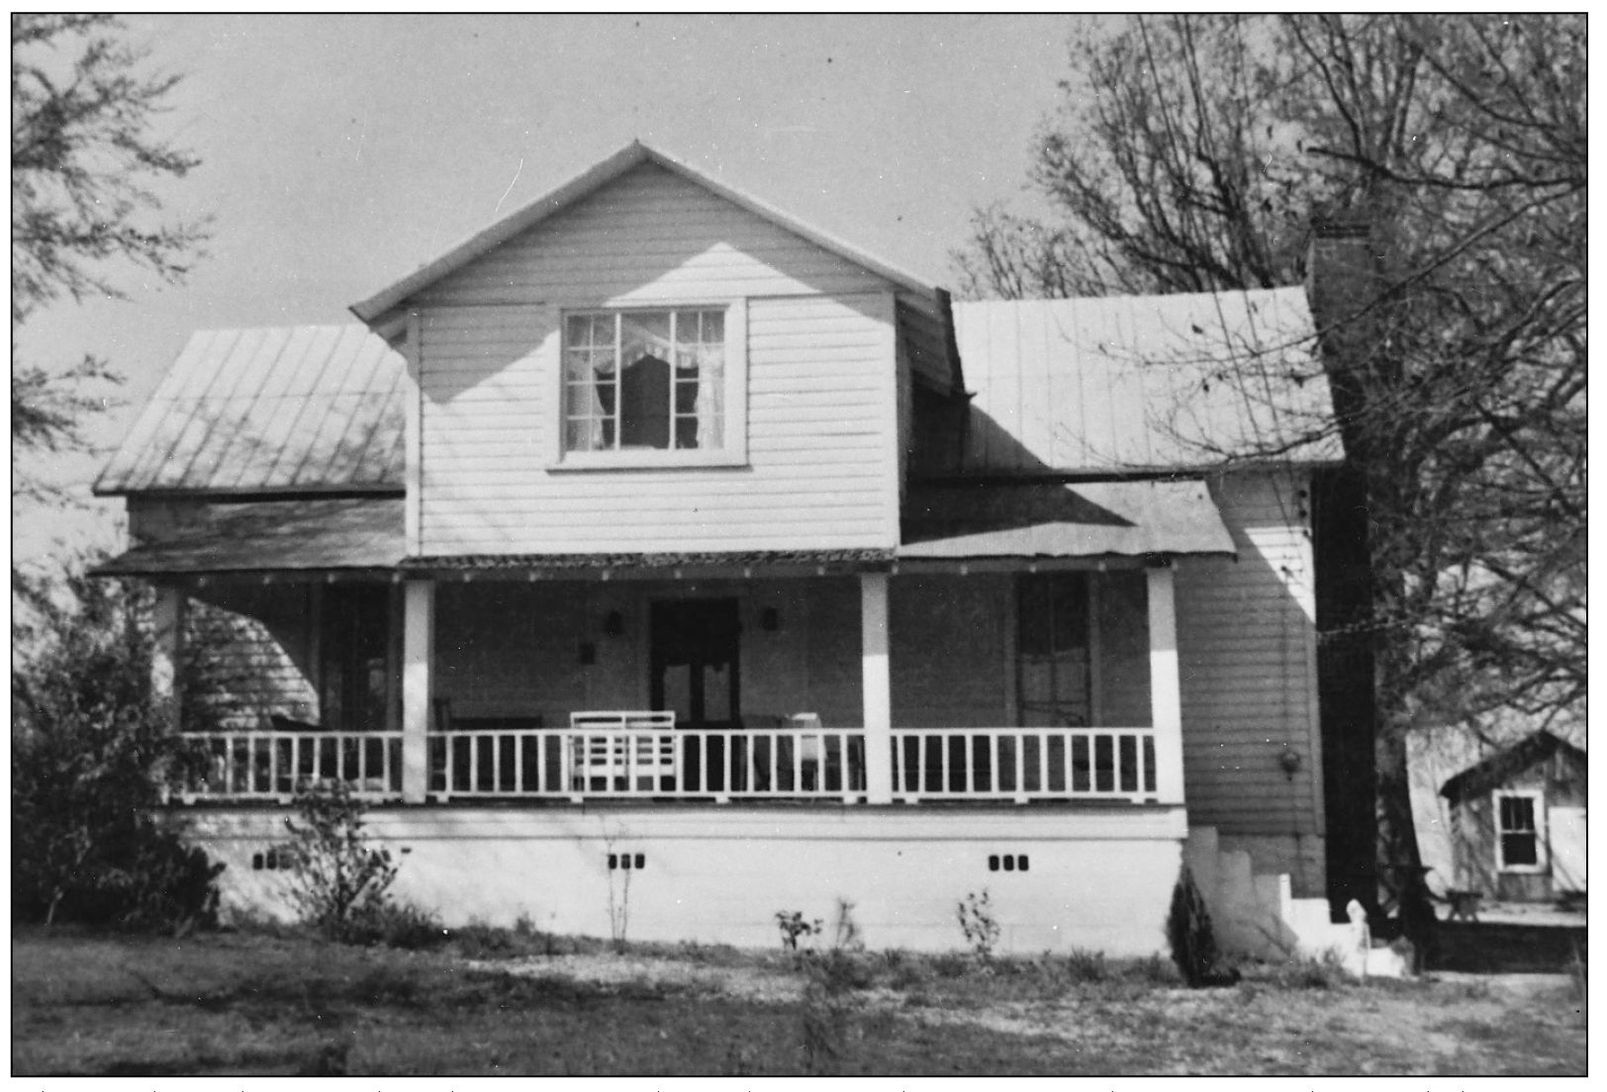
{"x":1245,"y":631}
{"x":651,"y":235}
{"x":821,"y":468}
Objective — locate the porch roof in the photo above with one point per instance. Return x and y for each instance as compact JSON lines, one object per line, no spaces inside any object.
{"x":1053,"y":519}
{"x":302,"y":534}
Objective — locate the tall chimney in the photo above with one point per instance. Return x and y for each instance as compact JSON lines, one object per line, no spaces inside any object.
{"x":1344,"y":283}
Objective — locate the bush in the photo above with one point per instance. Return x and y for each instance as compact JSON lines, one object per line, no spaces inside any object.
{"x":793,"y":925}
{"x":340,"y":879}
{"x":400,"y":925}
{"x":1192,"y":939}
{"x":90,"y":753}
{"x":981,"y":928}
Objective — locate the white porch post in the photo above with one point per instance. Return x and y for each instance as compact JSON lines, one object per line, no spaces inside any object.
{"x":418,"y":646}
{"x":1166,"y":701}
{"x":167,"y":631}
{"x":877,"y":688}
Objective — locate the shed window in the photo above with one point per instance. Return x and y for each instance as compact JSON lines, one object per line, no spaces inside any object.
{"x":1517,"y":834}
{"x":644,"y":380}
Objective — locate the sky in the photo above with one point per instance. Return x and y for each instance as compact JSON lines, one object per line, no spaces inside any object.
{"x":339,"y":153}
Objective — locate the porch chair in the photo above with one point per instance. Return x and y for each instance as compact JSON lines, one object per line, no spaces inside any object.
{"x":639,"y":751}
{"x":810,"y":748}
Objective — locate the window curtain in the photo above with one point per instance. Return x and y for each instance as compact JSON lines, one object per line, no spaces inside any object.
{"x":710,"y":398}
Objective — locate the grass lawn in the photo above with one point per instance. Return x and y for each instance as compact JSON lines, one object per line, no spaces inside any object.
{"x":252,"y":1003}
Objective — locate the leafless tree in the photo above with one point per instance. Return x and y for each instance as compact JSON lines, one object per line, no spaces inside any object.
{"x":1191,"y":153}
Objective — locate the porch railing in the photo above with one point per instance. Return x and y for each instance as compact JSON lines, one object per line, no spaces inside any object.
{"x":1023,"y":764}
{"x":258,"y":765}
{"x":581,"y":763}
{"x":592,"y":762}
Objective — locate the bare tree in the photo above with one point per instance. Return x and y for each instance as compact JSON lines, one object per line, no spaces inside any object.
{"x":1190,"y":154}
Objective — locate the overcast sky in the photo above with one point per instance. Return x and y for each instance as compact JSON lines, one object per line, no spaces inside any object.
{"x":339,"y":153}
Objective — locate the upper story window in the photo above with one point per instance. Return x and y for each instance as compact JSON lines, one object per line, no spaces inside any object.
{"x":645,"y":380}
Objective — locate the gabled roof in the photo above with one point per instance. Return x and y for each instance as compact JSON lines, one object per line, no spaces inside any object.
{"x":1501,"y":767}
{"x":273,"y":410}
{"x":375,"y":307}
{"x":1131,"y":384}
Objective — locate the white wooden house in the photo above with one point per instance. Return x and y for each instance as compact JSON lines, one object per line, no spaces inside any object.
{"x":653,"y":531}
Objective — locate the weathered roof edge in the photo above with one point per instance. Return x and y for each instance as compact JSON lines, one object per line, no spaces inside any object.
{"x":1498,"y":767}
{"x":632,"y":155}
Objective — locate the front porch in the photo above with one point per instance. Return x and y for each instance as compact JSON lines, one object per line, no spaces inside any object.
{"x":1002,"y":683}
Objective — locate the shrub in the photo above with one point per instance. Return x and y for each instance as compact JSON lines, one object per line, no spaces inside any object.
{"x":90,"y":751}
{"x":401,"y":925}
{"x":827,"y":1005}
{"x":981,"y":929}
{"x":1083,"y":965}
{"x":1192,"y":939}
{"x":340,"y":879}
{"x":792,"y":926}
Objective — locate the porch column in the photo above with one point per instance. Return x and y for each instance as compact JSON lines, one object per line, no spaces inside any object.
{"x":418,"y":646}
{"x":167,"y":651}
{"x":1166,"y":702}
{"x":877,"y":688}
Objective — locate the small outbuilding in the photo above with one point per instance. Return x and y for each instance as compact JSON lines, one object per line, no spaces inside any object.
{"x":1518,"y":821}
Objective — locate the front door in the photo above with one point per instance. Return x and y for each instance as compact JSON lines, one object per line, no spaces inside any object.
{"x":695,"y":662}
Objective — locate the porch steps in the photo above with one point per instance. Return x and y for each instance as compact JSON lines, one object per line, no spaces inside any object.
{"x":1255,"y":914}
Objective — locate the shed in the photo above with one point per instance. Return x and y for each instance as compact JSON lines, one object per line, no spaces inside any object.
{"x":1518,"y":821}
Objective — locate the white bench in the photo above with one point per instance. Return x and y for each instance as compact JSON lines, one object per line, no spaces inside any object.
{"x":631,"y":750}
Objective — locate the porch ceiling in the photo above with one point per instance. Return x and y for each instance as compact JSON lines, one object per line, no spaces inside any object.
{"x":259,"y":536}
{"x":1051,"y":519}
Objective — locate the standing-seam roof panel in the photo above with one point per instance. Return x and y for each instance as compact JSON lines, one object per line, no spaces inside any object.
{"x":279,"y":409}
{"x":1144,"y":382}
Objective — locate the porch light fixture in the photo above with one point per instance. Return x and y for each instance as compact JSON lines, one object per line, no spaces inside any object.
{"x":1290,"y":761}
{"x":614,"y":624}
{"x":770,"y":619}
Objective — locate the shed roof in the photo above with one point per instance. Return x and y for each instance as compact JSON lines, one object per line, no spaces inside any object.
{"x":1046,"y":519}
{"x":302,"y":534}
{"x":280,"y":409}
{"x":1501,"y":767}
{"x":1143,"y":383}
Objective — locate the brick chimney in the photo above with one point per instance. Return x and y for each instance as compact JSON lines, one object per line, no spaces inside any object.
{"x":1344,"y":280}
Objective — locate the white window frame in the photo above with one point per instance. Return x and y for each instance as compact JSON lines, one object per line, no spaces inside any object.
{"x":734,"y":453}
{"x":1539,"y":801}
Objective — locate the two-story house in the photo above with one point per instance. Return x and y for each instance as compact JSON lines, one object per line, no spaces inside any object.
{"x":653,"y":532}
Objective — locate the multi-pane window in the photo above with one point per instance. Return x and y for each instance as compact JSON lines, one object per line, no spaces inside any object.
{"x":644,"y":380}
{"x":1052,"y":654}
{"x":1516,"y":832}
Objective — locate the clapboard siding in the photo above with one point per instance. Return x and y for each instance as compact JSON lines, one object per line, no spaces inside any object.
{"x":820,"y":422}
{"x":251,"y":655}
{"x":652,"y":235}
{"x":1247,"y":659}
{"x":821,"y":413}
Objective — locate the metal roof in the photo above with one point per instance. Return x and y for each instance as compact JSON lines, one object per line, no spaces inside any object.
{"x":285,"y":409}
{"x":1050,"y":519}
{"x":304,"y":534}
{"x":1150,"y":383}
